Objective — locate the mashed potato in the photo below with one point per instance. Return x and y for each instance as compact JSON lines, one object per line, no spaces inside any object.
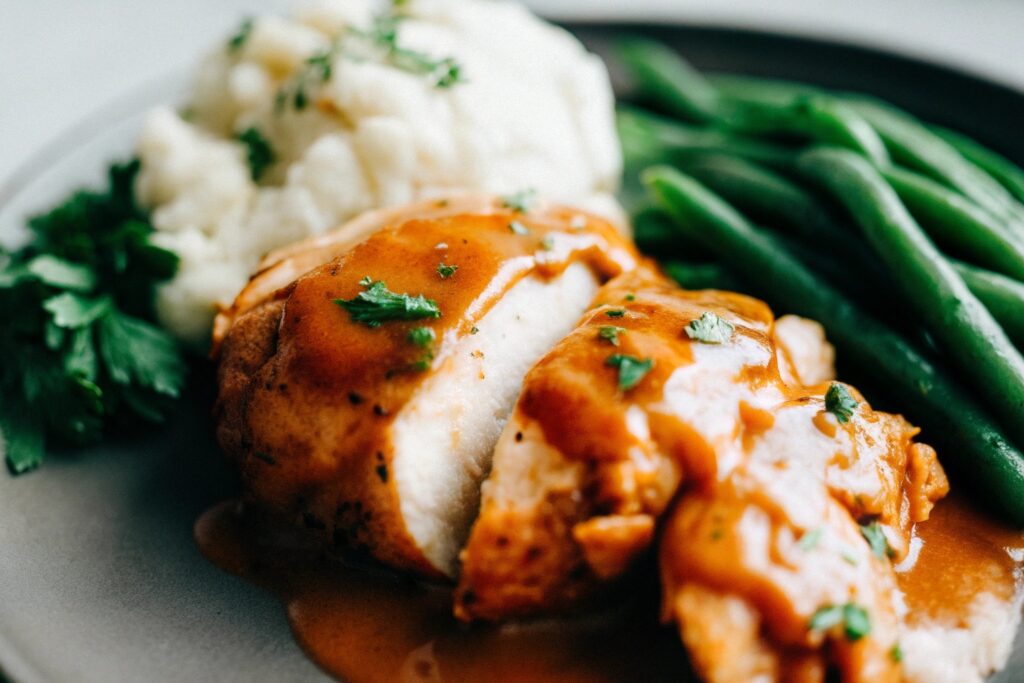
{"x":359,"y":112}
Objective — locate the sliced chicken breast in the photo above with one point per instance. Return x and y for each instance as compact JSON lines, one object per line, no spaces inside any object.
{"x":588,"y":463}
{"x":378,"y":427}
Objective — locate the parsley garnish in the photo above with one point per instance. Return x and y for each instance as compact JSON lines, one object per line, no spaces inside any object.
{"x":854,"y":618}
{"x":422,"y":336}
{"x":615,"y":313}
{"x":241,"y":36}
{"x":547,"y":243}
{"x":710,"y":329}
{"x":521,"y":201}
{"x":875,"y":537}
{"x":896,"y":653}
{"x":442,"y":73}
{"x":810,"y":539}
{"x":378,"y":304}
{"x":518,"y":228}
{"x":839,"y":402}
{"x":258,"y":151}
{"x":631,"y":369}
{"x":610,"y":333}
{"x":75,"y":306}
{"x":446,"y":271}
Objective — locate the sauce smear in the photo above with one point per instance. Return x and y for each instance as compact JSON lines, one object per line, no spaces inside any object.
{"x":956,"y":555}
{"x":366,"y":625}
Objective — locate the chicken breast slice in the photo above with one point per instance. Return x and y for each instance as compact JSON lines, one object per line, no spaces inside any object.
{"x":377,"y":436}
{"x":585,"y":468}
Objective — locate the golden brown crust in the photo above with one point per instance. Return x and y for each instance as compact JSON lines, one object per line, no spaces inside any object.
{"x":308,"y":395}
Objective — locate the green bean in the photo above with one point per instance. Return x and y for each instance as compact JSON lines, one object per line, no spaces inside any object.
{"x":772,"y":198}
{"x":654,"y":233}
{"x":908,"y":141}
{"x":949,"y":310}
{"x":701,"y":275}
{"x":748,"y":89}
{"x":999,"y":167}
{"x":974,"y":442}
{"x":661,"y":75}
{"x":913,"y":145}
{"x":671,"y":139}
{"x":958,"y":224}
{"x":1002,"y":296}
{"x":815,"y":117}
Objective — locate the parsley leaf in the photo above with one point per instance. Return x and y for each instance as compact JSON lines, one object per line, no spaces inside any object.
{"x":73,"y":311}
{"x":521,"y":201}
{"x":378,"y":304}
{"x":422,"y":336}
{"x":631,"y":369}
{"x":810,"y":539}
{"x":446,"y":271}
{"x":854,"y":618}
{"x":840,"y":403}
{"x":518,"y":228}
{"x":258,"y":151}
{"x":615,"y":313}
{"x":710,"y":329}
{"x":610,"y":333}
{"x":240,"y":37}
{"x":136,"y":352}
{"x":875,"y":537}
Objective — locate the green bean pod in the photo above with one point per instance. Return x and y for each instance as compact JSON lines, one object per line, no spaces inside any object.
{"x":662,"y":76}
{"x":996,"y":165}
{"x":913,"y":145}
{"x":958,"y":225}
{"x":674,"y":140}
{"x":815,"y":117}
{"x":701,"y":275}
{"x":963,"y":325}
{"x":975,"y":444}
{"x":1002,"y":296}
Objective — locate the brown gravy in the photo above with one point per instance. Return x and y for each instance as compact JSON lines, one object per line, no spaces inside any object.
{"x":957,"y":554}
{"x":371,"y":625}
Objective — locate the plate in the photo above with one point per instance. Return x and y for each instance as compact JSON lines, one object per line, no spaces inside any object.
{"x":99,"y":576}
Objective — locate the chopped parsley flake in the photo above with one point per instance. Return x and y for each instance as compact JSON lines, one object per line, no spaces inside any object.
{"x":518,"y":228}
{"x":474,"y":329}
{"x":378,"y":304}
{"x":840,"y":403}
{"x":422,"y":336}
{"x":240,"y":37}
{"x":520,"y":201}
{"x":875,"y":537}
{"x":854,"y":618}
{"x":631,"y":369}
{"x":610,"y":333}
{"x":631,"y":297}
{"x":710,"y":329}
{"x":896,"y":653}
{"x":810,"y":539}
{"x":547,"y":243}
{"x":446,"y":271}
{"x":615,"y":313}
{"x":258,"y":152}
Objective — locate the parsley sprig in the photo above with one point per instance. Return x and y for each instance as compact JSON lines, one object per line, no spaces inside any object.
{"x":855,"y":620}
{"x":377,"y":304}
{"x":76,"y":306}
{"x":710,"y":329}
{"x":258,"y":151}
{"x":631,"y":369}
{"x":840,"y":402}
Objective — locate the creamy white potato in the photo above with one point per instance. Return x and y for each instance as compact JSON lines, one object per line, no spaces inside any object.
{"x":369,"y":123}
